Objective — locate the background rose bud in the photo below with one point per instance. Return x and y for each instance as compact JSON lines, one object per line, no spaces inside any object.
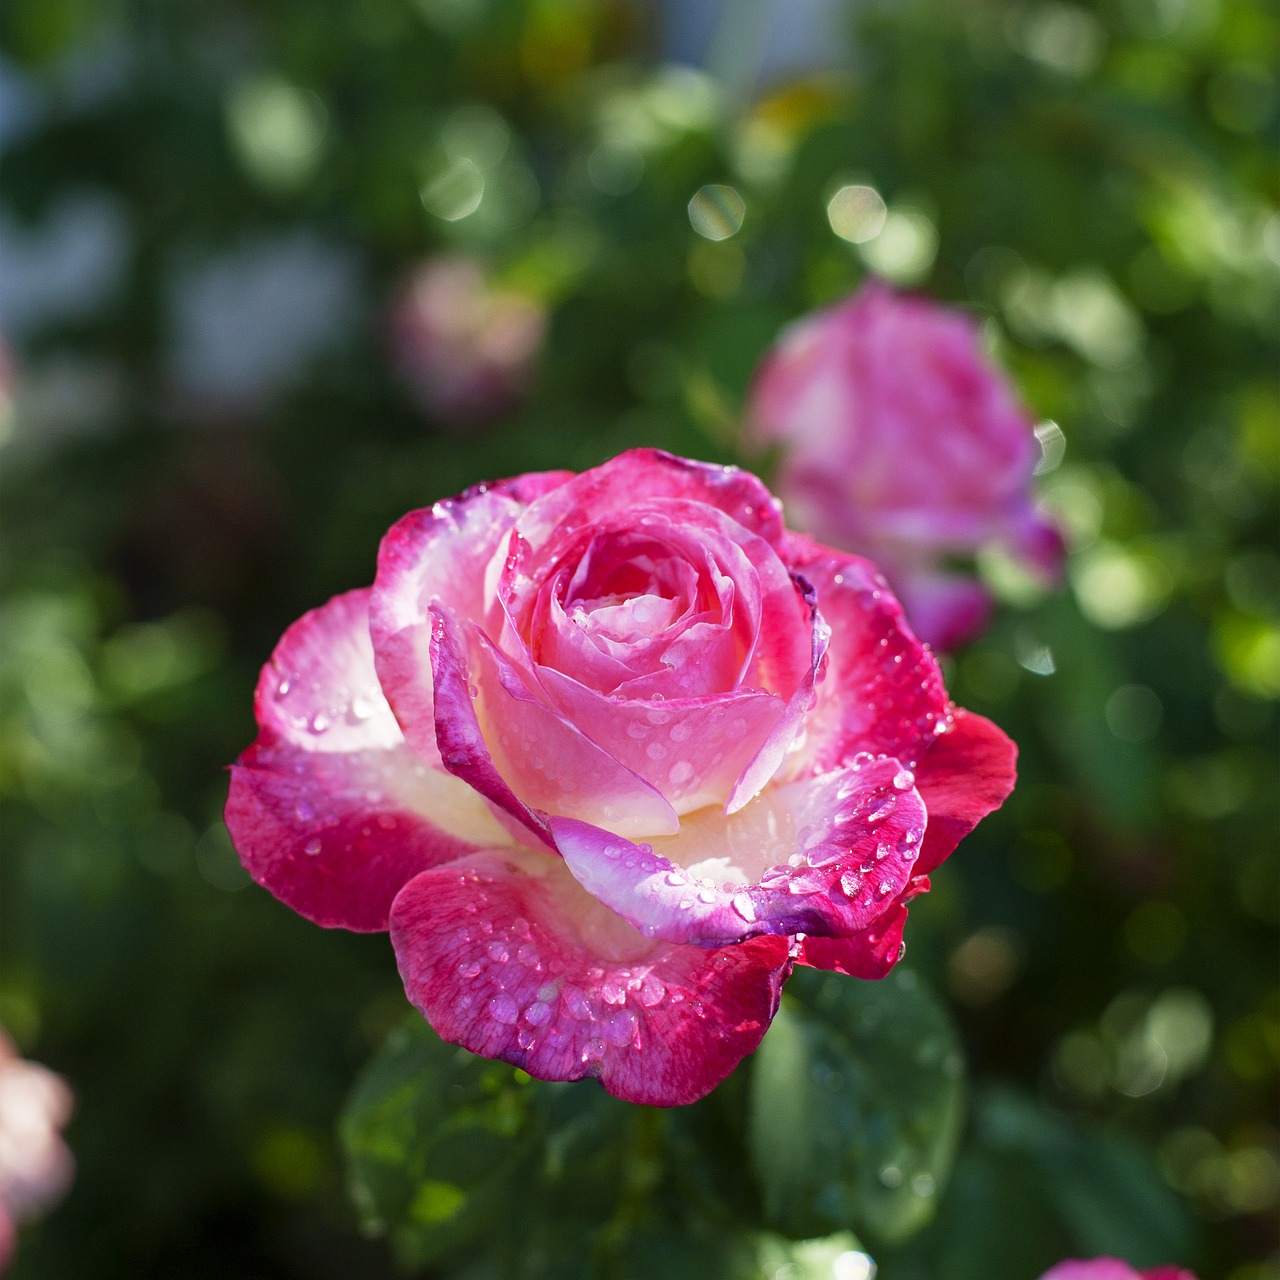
{"x":35,"y":1165}
{"x":1111,"y":1269}
{"x":900,"y":440}
{"x":464,"y":347}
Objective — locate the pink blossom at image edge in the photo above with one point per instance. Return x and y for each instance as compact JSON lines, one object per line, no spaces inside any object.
{"x":899,"y":439}
{"x":35,"y":1165}
{"x":1111,"y":1269}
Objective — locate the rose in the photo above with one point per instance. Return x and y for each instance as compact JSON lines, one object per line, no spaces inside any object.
{"x":901,"y":441}
{"x":35,"y":1165}
{"x":463,"y":347}
{"x":1111,"y":1269}
{"x":609,"y":753}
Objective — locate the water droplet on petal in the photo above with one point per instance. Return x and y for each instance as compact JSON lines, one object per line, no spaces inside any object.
{"x":537,"y":1013}
{"x":498,"y":951}
{"x":502,"y":1008}
{"x":681,"y":772}
{"x":304,"y":811}
{"x":311,"y":848}
{"x":576,"y":1003}
{"x":469,"y":968}
{"x":904,"y":779}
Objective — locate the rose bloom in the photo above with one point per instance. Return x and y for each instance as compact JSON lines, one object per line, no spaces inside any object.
{"x":610,"y":753}
{"x":464,"y":348}
{"x":900,"y":440}
{"x":35,"y":1165}
{"x":1111,"y":1269}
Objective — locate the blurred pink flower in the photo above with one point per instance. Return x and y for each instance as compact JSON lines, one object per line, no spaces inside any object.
{"x":35,"y":1165}
{"x":900,"y":440}
{"x":464,"y":347}
{"x":1111,"y":1269}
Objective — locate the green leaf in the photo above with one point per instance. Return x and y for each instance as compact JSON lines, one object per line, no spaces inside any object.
{"x":856,"y":1106}
{"x":437,"y":1139}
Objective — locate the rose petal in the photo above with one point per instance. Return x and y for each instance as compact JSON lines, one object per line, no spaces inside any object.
{"x":868,"y":954}
{"x":439,"y":553}
{"x":967,"y":773}
{"x":330,"y":809}
{"x":507,"y":956}
{"x":882,"y":691}
{"x":826,"y":855}
{"x":767,"y":760}
{"x":520,"y":753}
{"x":640,"y":474}
{"x":463,"y":749}
{"x":692,"y":750}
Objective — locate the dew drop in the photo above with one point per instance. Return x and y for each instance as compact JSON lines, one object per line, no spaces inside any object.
{"x":319,"y":722}
{"x":681,"y":772}
{"x":469,"y":968}
{"x":311,"y":848}
{"x":620,"y":1029}
{"x":904,"y":779}
{"x":656,"y":751}
{"x":593,"y":1050}
{"x":680,"y":732}
{"x":743,"y":905}
{"x":498,"y":951}
{"x":884,"y":888}
{"x":652,"y":989}
{"x":537,"y":1013}
{"x":502,"y":1008}
{"x":527,"y":954}
{"x":613,"y":992}
{"x":881,"y":811}
{"x":576,"y":1003}
{"x":304,"y":811}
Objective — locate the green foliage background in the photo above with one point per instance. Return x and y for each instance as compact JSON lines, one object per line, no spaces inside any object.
{"x":1099,"y":182}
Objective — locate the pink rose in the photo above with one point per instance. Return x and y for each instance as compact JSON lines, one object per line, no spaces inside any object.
{"x":35,"y":1165}
{"x":901,"y":441}
{"x":1111,"y":1269}
{"x":608,"y":754}
{"x":463,"y":347}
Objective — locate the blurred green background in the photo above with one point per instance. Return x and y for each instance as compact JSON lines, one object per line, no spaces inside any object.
{"x":208,"y":209}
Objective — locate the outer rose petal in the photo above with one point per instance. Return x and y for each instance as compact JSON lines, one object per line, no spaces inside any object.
{"x":826,"y":855}
{"x":508,"y":957}
{"x":882,"y":691}
{"x":330,"y":809}
{"x":869,"y":954}
{"x":437,"y":553}
{"x":638,"y":474}
{"x":968,"y":773}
